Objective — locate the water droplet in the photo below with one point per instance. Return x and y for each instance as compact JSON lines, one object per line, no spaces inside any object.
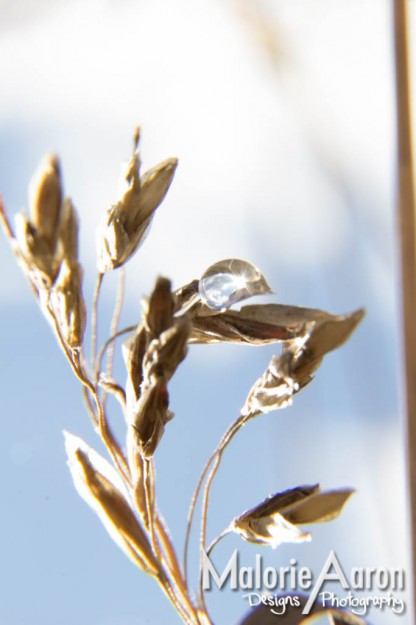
{"x":229,"y":281}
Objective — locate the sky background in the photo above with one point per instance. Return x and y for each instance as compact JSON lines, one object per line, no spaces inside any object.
{"x":282,"y":117}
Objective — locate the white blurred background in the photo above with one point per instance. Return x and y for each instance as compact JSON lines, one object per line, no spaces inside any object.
{"x":282,"y":116}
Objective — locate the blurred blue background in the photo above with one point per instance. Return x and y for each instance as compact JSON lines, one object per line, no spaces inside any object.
{"x":282,"y":116}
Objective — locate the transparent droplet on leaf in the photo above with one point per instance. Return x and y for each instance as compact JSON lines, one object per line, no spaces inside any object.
{"x":230,"y":281}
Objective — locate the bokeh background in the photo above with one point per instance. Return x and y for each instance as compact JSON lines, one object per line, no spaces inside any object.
{"x":282,"y":115}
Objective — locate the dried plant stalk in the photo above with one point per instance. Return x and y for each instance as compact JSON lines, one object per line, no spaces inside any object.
{"x":406,"y":207}
{"x":123,"y":492}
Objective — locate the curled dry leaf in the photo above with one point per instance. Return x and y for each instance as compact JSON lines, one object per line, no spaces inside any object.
{"x":101,"y":487}
{"x":126,"y":223}
{"x":276,"y":519}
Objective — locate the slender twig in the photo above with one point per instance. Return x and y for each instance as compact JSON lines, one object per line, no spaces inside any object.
{"x":215,"y":457}
{"x":109,"y":341}
{"x":110,"y":386}
{"x":227,"y":438}
{"x":94,"y":326}
{"x":407,"y":220}
{"x":148,"y":497}
{"x":217,"y":540}
{"x":170,"y":593}
{"x":107,"y":436}
{"x":116,"y":318}
{"x":232,"y":430}
{"x":113,"y":328}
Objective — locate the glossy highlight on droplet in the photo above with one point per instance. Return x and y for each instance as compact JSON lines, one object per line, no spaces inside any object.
{"x":230,"y":281}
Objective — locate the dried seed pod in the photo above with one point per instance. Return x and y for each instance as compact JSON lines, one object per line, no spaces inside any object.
{"x":39,"y":262}
{"x":52,"y":232}
{"x":67,"y":303}
{"x":45,"y":201}
{"x":159,"y":314}
{"x":101,"y":487}
{"x":293,"y":369}
{"x":151,"y":415}
{"x":154,"y":185}
{"x":274,"y":389}
{"x":152,"y":356}
{"x":68,"y":231}
{"x":126,"y":223}
{"x":134,"y":350}
{"x":165,"y":354}
{"x":276,"y":519}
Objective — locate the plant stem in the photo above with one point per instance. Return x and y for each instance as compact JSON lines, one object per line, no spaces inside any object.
{"x":407,"y":222}
{"x":116,"y":317}
{"x":109,"y":342}
{"x":113,"y":330}
{"x":229,"y":435}
{"x":94,"y":323}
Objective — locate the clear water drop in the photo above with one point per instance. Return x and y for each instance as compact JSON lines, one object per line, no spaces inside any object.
{"x":230,"y":281}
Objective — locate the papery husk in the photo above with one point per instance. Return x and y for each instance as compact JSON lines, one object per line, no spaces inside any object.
{"x":99,"y":485}
{"x":277,"y":518}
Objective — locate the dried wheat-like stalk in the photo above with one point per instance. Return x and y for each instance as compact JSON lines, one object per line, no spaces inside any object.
{"x":121,"y":490}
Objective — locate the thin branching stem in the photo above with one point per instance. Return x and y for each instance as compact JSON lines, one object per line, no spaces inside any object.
{"x":116,"y":318}
{"x":166,"y":585}
{"x":94,"y":326}
{"x":111,"y":386}
{"x":148,"y":497}
{"x":226,"y":439}
{"x":113,"y":329}
{"x":217,"y":540}
{"x":109,"y":342}
{"x":74,"y":358}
